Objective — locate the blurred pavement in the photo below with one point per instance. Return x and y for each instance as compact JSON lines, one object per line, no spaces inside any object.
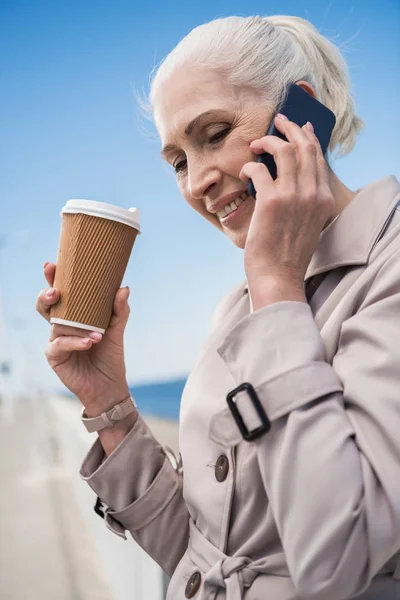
{"x":46,"y":549}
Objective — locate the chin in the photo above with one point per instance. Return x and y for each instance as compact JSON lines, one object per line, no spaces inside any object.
{"x":237,"y":236}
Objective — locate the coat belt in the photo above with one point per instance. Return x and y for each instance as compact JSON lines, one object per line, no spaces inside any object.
{"x":231,"y":573}
{"x":234,"y":574}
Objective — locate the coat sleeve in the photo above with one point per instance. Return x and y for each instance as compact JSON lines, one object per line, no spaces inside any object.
{"x":330,"y":462}
{"x":143,"y":494}
{"x":141,"y":489}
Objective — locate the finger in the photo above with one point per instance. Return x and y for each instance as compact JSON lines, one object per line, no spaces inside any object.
{"x":287,"y":167}
{"x":308,"y":169}
{"x":121,"y":311}
{"x":268,"y":143}
{"x":259,"y":175}
{"x":49,"y":272}
{"x":323,"y":174}
{"x":273,"y":144}
{"x":284,"y":154}
{"x":59,"y":350}
{"x":58,"y":330}
{"x":292,"y":132}
{"x":45,"y":301}
{"x":305,"y":153}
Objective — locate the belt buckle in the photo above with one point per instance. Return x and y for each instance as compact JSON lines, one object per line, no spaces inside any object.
{"x":258,"y":431}
{"x":99,"y":508}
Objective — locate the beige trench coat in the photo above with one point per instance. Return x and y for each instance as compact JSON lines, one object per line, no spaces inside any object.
{"x":310,"y":509}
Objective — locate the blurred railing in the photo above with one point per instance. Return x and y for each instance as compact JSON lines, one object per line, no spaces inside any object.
{"x":131,"y":573}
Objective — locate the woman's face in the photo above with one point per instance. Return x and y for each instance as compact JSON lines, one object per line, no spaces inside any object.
{"x":206,"y":127}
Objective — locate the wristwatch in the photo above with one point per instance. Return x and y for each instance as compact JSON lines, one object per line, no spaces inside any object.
{"x":109,"y":417}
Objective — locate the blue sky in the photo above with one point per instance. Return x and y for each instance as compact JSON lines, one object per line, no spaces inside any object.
{"x":70,"y":129}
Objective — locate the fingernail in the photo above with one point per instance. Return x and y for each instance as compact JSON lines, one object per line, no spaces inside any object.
{"x":129,"y":291}
{"x":86,"y":341}
{"x":281,"y":116}
{"x":95,"y":335}
{"x":45,"y":265}
{"x":50,"y":293}
{"x":310,"y":126}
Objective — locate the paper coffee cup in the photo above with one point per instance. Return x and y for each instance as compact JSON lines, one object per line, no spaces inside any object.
{"x":95,"y":245}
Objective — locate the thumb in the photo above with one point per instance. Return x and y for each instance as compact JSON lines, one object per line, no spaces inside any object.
{"x":121,"y":309}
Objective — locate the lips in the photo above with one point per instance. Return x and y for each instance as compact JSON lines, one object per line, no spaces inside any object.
{"x":225,"y":201}
{"x":234,"y":217}
{"x":232,"y":206}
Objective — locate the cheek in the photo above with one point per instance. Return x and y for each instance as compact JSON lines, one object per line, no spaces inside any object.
{"x":235,"y":155}
{"x":230,"y":159}
{"x":198,"y":206}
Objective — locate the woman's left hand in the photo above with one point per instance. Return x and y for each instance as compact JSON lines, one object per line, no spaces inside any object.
{"x":291,"y":211}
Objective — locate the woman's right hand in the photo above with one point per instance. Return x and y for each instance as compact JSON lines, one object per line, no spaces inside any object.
{"x":90,"y":365}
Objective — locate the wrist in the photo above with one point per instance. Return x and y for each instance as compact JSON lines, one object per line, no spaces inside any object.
{"x":94,"y":406}
{"x":270,"y":290}
{"x":111,"y":437}
{"x":120,"y":418}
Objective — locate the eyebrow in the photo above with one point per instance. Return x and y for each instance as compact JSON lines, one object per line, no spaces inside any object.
{"x":190,"y":127}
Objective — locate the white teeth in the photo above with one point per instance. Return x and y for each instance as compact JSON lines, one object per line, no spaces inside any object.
{"x":221,"y":213}
{"x":232,"y":206}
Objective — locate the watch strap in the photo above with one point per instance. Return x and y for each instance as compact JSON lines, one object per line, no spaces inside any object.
{"x":110,"y":417}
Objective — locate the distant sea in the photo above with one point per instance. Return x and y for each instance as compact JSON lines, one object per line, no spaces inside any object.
{"x":160,"y":399}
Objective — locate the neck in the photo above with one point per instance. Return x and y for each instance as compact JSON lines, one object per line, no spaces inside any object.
{"x":342,"y":195}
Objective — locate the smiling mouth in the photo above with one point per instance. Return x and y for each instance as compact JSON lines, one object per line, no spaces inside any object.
{"x":232,"y":206}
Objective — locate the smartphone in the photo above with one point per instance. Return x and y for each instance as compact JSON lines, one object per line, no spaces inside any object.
{"x":299,"y":107}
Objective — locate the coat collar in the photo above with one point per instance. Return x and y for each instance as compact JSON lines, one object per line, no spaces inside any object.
{"x":349,"y":239}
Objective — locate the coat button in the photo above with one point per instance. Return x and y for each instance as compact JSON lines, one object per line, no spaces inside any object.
{"x":221,"y":468}
{"x":192,"y":586}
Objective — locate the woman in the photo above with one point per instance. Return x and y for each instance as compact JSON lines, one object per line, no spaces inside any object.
{"x":309,"y":508}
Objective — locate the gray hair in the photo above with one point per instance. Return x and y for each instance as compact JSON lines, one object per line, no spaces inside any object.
{"x":265,"y":54}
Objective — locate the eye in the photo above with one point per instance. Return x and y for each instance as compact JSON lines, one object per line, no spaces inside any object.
{"x":180,"y":166}
{"x":217,"y":137}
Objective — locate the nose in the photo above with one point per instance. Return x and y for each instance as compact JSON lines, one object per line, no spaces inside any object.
{"x":202,"y":178}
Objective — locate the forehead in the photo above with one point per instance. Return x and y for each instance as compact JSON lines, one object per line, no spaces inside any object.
{"x":187,"y":93}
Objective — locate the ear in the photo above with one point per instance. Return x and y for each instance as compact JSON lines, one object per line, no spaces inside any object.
{"x":307,"y":87}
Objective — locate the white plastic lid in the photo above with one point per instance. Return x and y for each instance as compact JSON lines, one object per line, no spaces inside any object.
{"x":128,"y":216}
